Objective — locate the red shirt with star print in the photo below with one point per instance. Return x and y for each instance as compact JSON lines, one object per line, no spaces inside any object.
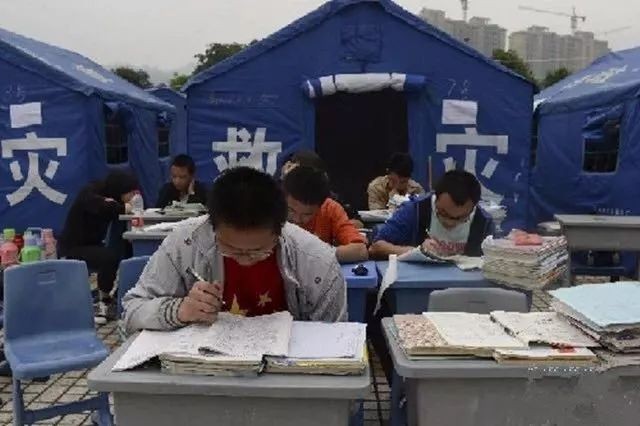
{"x":253,"y":290}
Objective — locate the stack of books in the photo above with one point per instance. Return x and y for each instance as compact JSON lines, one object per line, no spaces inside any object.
{"x":239,"y":346}
{"x":609,"y":313}
{"x":527,"y":267}
{"x":509,"y":338}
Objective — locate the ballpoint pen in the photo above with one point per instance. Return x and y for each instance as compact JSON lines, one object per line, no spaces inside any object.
{"x":197,"y":276}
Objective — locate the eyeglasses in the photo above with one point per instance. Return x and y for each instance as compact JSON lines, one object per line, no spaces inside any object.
{"x":251,"y":255}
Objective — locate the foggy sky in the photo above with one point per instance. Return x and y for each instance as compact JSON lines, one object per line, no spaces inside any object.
{"x":167,"y":33}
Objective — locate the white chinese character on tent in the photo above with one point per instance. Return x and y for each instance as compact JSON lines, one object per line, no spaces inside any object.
{"x":34,"y":180}
{"x":465,"y":113}
{"x":239,"y":141}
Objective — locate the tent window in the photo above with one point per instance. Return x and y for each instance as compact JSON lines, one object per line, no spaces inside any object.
{"x":163,"y":141}
{"x":601,"y":154}
{"x":116,"y":139}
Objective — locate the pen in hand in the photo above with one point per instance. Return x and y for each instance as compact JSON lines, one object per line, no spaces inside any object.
{"x":197,"y":277}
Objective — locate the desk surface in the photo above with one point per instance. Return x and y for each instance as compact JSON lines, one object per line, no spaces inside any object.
{"x":360,"y":281}
{"x":422,"y":275}
{"x":595,"y":221}
{"x":442,"y":367}
{"x":145,"y":235}
{"x":157,"y":215}
{"x":152,"y":381}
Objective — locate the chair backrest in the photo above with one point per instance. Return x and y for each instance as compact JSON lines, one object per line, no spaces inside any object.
{"x":128,"y":275}
{"x":50,"y":296}
{"x":477,"y":300}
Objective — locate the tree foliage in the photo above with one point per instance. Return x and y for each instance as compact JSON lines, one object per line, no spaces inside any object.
{"x":178,"y":80}
{"x":138,"y":77}
{"x":215,"y":53}
{"x":555,"y":76}
{"x":513,"y":61}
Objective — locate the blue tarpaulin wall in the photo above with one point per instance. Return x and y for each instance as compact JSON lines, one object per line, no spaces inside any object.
{"x":52,"y":130}
{"x":257,"y":104}
{"x":576,"y":110}
{"x":178,"y":132}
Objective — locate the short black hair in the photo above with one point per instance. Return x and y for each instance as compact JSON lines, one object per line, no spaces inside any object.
{"x":308,"y":158}
{"x":307,"y":184}
{"x":401,"y":164}
{"x":461,"y":186}
{"x":245,"y":198}
{"x":184,"y":161}
{"x":119,"y":182}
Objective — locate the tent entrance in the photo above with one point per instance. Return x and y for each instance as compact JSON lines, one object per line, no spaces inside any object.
{"x":356,"y":134}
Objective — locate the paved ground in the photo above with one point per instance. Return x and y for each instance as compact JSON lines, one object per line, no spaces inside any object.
{"x":73,"y":386}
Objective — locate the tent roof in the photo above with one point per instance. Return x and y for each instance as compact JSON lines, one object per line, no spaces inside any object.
{"x":73,"y":71}
{"x":612,"y":78}
{"x":323,"y":13}
{"x":165,"y":90}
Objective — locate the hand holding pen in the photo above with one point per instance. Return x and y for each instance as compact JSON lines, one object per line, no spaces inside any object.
{"x":203,"y":302}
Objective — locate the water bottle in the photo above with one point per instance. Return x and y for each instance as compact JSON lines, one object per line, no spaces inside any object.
{"x":31,"y":251}
{"x":137,"y":207}
{"x":8,"y":249}
{"x":50,"y":245}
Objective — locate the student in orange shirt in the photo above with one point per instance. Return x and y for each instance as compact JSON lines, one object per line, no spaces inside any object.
{"x":307,"y":192}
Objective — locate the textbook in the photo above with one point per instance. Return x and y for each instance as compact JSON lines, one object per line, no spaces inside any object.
{"x":465,"y":263}
{"x":239,"y":346}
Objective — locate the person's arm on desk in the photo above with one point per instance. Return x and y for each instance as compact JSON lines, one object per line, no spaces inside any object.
{"x":396,"y":234}
{"x":160,"y":300}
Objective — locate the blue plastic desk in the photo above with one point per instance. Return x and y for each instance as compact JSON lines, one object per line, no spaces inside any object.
{"x":357,"y":289}
{"x":410,"y":293}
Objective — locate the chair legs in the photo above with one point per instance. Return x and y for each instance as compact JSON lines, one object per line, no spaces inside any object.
{"x":22,"y":416}
{"x":18,"y":404}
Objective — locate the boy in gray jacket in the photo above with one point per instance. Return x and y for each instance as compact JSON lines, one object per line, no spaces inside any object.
{"x":250,"y":260}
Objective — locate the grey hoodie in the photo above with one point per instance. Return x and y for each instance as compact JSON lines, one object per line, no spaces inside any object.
{"x":314,"y":286}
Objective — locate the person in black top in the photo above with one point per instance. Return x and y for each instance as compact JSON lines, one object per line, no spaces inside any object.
{"x":183,"y":187}
{"x":95,"y":207}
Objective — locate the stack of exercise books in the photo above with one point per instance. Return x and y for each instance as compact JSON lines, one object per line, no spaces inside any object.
{"x":509,"y":338}
{"x":525,"y":261}
{"x":609,"y":312}
{"x":239,"y":346}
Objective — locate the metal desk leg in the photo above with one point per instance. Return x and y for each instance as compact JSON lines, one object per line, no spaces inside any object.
{"x":398,"y":414}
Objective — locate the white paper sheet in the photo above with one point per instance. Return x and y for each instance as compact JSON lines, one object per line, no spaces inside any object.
{"x":317,"y":340}
{"x":459,"y":112}
{"x":465,"y":263}
{"x":25,"y":115}
{"x":390,"y":277}
{"x":542,"y":327}
{"x":471,"y":330}
{"x":235,"y":335}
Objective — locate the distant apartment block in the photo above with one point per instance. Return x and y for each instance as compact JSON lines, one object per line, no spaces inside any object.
{"x":478,"y":32}
{"x":547,"y":51}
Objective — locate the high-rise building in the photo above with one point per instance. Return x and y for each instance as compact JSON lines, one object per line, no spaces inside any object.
{"x":479,"y":32}
{"x":546,"y":51}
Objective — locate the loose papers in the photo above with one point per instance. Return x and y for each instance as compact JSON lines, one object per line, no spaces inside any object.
{"x":548,"y":328}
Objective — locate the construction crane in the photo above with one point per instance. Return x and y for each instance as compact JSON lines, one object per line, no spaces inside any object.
{"x":613,"y":30}
{"x":574,"y":17}
{"x":465,"y":9}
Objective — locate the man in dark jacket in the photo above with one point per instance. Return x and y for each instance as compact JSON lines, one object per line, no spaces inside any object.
{"x":448,"y":222}
{"x":94,"y":209}
{"x":183,"y":186}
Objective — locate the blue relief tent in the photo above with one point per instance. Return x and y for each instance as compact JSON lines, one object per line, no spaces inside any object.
{"x":178,"y":126}
{"x":587,"y":159}
{"x":357,"y":80}
{"x":58,"y":109}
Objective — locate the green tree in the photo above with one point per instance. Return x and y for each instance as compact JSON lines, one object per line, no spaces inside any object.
{"x":513,"y":61}
{"x":553,"y":77}
{"x":178,"y":80}
{"x":138,"y":77}
{"x":215,"y":53}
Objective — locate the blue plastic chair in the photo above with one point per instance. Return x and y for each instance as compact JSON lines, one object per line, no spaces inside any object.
{"x":128,"y":275}
{"x":49,"y":329}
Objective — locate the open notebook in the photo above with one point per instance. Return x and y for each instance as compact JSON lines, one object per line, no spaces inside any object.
{"x":235,"y":345}
{"x":465,"y":263}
